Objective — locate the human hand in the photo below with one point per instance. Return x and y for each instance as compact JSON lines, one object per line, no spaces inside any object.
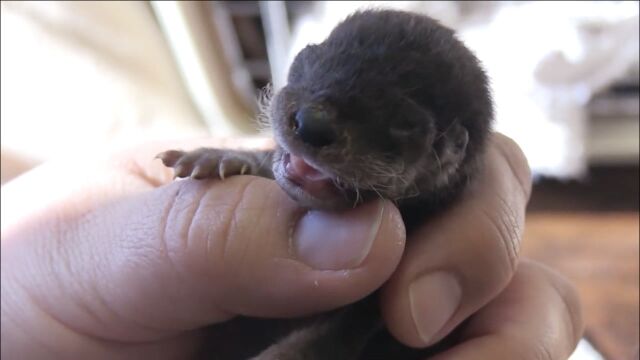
{"x":537,"y":317}
{"x":112,"y":259}
{"x":466,"y":263}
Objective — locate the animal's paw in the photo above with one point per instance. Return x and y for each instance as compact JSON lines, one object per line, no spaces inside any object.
{"x":206,"y":163}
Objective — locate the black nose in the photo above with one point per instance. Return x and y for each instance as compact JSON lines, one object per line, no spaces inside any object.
{"x":314,"y":126}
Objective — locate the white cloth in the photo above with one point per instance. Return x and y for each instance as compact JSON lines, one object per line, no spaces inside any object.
{"x":545,"y":61}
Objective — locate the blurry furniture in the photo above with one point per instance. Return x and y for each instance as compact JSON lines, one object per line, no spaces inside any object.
{"x":199,"y":39}
{"x":83,"y":76}
{"x":612,"y":137}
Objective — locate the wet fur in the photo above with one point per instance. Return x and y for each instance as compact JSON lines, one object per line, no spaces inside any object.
{"x":413,"y":111}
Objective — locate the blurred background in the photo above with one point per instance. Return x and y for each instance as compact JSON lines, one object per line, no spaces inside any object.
{"x":95,"y":75}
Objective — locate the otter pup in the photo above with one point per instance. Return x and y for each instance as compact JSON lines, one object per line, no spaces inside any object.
{"x":390,"y":105}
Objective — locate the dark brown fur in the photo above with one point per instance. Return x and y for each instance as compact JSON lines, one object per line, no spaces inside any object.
{"x":406,"y":111}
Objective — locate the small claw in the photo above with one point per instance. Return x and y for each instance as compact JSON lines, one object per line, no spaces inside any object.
{"x":180,"y":171}
{"x":243,"y":169}
{"x":199,"y":172}
{"x":170,"y":157}
{"x":221,"y":171}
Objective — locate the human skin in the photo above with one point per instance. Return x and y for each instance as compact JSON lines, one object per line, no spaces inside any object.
{"x":108,"y":257}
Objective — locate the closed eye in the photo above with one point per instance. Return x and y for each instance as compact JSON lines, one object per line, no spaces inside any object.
{"x":403,"y":128}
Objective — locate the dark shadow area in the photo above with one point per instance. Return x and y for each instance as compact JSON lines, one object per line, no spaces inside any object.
{"x":605,"y":189}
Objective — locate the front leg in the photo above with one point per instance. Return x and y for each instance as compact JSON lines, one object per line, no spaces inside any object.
{"x":206,"y":163}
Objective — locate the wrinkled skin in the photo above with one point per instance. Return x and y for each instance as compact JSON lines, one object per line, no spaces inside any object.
{"x":391,"y":105}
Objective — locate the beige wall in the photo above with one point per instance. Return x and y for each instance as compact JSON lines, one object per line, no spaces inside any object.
{"x":79,"y":75}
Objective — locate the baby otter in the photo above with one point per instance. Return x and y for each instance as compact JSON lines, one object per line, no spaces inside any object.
{"x":390,"y":105}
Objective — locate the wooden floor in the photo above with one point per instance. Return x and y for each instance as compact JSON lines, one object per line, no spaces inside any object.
{"x":589,"y":231}
{"x":598,"y":252}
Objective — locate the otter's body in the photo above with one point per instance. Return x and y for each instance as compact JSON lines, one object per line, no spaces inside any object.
{"x":391,"y":105}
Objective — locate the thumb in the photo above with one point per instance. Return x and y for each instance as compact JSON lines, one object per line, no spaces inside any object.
{"x":254,"y":252}
{"x":149,"y":264}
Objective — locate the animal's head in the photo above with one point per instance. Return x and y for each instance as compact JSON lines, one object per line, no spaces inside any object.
{"x":384,"y":107}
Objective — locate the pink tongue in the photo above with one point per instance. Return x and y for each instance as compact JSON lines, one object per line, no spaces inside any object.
{"x":302,"y":169}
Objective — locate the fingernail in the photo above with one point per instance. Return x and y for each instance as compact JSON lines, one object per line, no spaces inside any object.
{"x":337,"y":240}
{"x":434,"y":298}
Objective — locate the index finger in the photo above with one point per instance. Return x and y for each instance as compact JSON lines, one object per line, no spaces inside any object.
{"x":455,"y":263}
{"x":538,"y":316}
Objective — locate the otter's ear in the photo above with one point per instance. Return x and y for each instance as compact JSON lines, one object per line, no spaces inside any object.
{"x":452,"y":145}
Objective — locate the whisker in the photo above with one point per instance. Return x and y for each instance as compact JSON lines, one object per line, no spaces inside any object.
{"x":441,"y":134}
{"x":357,"y":197}
{"x":263,"y":116}
{"x":377,"y":192}
{"x":435,"y":154}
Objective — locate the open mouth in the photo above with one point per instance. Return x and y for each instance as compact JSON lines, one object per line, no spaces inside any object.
{"x":310,"y":179}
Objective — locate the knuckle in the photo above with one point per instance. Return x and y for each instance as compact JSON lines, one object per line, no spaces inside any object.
{"x":176,"y":221}
{"x":512,"y":222}
{"x":506,"y":229}
{"x":516,"y":160}
{"x":220,"y":235}
{"x":543,"y":352}
{"x":192,"y":233}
